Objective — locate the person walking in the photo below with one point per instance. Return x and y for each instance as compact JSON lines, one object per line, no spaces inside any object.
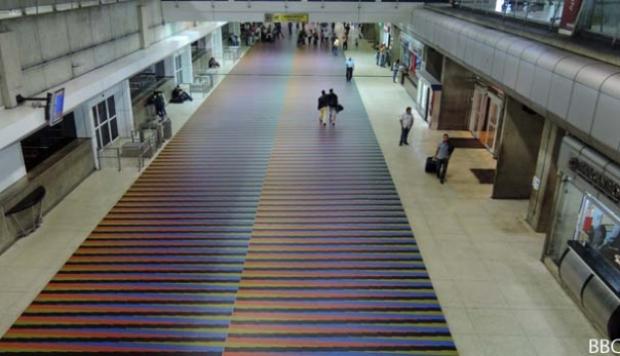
{"x":345,"y":44}
{"x":290,"y":28}
{"x":395,"y":69}
{"x":335,"y":46}
{"x":382,"y":56}
{"x":442,"y":156}
{"x":323,"y":108}
{"x":350,"y":65}
{"x":332,"y":102}
{"x":406,"y":123}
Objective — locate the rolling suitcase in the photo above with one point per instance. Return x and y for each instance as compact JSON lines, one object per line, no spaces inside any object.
{"x":431,"y":165}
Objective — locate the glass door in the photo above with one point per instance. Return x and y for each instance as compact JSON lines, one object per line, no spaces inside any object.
{"x":567,"y":217}
{"x":477,"y":106}
{"x":493,"y":120}
{"x":423,"y":89}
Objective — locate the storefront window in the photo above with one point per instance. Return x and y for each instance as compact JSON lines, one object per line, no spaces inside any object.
{"x":600,"y":228}
{"x":581,"y":217}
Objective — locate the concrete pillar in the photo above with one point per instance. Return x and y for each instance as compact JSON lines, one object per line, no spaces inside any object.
{"x":457,"y":90}
{"x":395,"y":43}
{"x":433,"y":62}
{"x":143,"y":22}
{"x":12,"y":163}
{"x":217,"y":47}
{"x":545,"y":178}
{"x":188,"y":69}
{"x":10,"y":69}
{"x":520,"y":141}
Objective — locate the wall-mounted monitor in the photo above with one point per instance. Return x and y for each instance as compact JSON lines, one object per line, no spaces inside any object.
{"x":55,"y":106}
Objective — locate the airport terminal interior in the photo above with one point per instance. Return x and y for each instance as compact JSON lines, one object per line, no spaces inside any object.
{"x":310,"y":177}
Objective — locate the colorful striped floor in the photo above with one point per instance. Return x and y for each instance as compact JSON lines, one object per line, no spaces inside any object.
{"x":255,"y":231}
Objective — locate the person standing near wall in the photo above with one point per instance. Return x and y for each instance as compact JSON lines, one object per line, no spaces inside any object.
{"x":406,"y":123}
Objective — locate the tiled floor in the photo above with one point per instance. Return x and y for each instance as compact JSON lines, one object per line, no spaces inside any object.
{"x":482,"y":257}
{"x":27,"y":266}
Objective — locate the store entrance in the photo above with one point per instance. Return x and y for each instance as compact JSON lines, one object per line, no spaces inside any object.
{"x":485,"y":117}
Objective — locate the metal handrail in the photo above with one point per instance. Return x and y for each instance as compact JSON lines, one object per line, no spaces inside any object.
{"x":117,"y":156}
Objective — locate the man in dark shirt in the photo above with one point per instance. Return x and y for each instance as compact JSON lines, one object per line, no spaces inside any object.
{"x":332,"y":102}
{"x":323,"y":108}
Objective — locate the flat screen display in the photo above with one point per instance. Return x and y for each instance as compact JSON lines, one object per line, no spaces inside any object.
{"x":55,"y":106}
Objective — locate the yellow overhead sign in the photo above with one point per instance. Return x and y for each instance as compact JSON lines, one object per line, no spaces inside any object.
{"x":287,"y":17}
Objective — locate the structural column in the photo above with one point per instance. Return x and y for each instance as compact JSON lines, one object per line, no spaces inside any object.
{"x":143,"y":21}
{"x":545,"y":178}
{"x":457,"y":90}
{"x":516,"y":164}
{"x":10,"y":69}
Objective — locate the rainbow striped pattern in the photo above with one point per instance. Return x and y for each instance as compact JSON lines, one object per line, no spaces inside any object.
{"x":250,"y":235}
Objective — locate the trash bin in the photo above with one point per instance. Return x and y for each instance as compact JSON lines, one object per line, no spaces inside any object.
{"x":32,"y":202}
{"x":167,"y":125}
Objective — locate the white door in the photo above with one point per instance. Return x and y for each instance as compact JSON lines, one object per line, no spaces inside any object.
{"x":478,"y":110}
{"x":493,"y":120}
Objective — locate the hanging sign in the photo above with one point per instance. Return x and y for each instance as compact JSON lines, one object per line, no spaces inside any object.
{"x":287,"y":17}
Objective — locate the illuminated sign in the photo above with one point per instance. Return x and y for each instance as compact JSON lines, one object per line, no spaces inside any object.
{"x":287,"y":17}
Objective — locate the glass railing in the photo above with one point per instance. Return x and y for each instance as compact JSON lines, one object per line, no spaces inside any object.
{"x":547,"y":12}
{"x":603,"y":17}
{"x":597,"y":16}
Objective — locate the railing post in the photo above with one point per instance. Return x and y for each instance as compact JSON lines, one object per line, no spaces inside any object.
{"x":118,"y":157}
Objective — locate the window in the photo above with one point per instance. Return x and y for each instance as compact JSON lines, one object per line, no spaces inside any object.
{"x":178,"y":68}
{"x":600,"y":229}
{"x":42,"y":144}
{"x":581,"y":217}
{"x":105,"y":122}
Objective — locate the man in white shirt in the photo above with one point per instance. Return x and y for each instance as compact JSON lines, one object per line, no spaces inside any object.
{"x":406,"y":123}
{"x":350,"y":65}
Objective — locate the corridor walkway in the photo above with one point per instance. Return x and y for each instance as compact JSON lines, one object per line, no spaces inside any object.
{"x":255,"y":230}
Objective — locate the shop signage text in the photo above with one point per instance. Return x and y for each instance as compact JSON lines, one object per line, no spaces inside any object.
{"x":287,"y":17}
{"x":604,"y":184}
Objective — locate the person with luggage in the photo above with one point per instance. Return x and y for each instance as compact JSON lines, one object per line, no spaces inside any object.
{"x":406,"y":123}
{"x":323,"y":108}
{"x":332,"y":103}
{"x":349,"y":65}
{"x":442,"y":156}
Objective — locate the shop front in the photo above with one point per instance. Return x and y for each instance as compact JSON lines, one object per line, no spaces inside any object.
{"x":411,"y":54}
{"x":583,"y":247}
{"x":428,"y":98}
{"x":486,"y":115}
